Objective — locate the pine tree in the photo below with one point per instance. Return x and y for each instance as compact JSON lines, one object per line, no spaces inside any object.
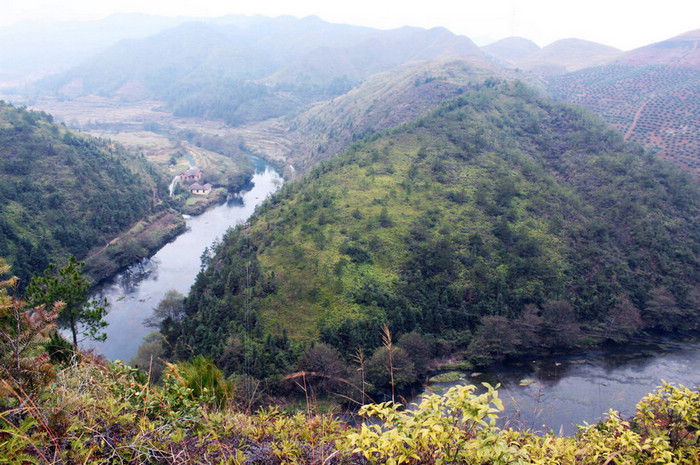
{"x":68,"y":285}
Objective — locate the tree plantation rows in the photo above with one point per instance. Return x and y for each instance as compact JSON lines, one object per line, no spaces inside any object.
{"x":655,"y":105}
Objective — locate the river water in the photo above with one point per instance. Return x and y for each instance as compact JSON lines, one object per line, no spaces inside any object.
{"x":133,"y":294}
{"x":561,"y":392}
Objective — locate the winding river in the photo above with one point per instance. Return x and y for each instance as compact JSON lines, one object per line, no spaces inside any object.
{"x":133,"y":294}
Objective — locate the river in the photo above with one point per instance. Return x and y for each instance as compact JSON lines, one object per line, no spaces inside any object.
{"x":133,"y":294}
{"x":561,"y":392}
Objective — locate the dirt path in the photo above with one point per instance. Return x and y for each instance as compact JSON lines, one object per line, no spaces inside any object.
{"x":634,"y":121}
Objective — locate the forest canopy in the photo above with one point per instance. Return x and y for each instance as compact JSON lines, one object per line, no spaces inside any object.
{"x":62,"y":193}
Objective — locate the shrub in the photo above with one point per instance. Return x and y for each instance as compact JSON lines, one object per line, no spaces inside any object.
{"x":457,"y":427}
{"x":324,"y":370}
{"x":380,"y":367}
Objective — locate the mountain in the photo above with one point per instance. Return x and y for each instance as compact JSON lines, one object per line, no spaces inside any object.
{"x":568,"y":55}
{"x":63,"y":193}
{"x":651,"y":94}
{"x":501,"y":222}
{"x":682,"y":50}
{"x":511,"y":49}
{"x":251,"y":71}
{"x":380,"y":52}
{"x":383,"y":101}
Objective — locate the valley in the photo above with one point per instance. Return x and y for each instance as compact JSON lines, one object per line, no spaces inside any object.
{"x":289,"y":214}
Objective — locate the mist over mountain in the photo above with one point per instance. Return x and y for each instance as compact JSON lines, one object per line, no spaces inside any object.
{"x":511,"y":50}
{"x":32,"y":50}
{"x":681,"y":50}
{"x":254,"y":71}
{"x":568,"y":55}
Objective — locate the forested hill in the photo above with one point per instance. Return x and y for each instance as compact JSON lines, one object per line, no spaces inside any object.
{"x":63,"y":193}
{"x":501,"y":221}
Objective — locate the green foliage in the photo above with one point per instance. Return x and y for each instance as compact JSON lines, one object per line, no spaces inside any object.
{"x":671,"y":415}
{"x":105,"y":414}
{"x":98,"y":413}
{"x":63,"y":193}
{"x":457,"y":427}
{"x":60,"y":351}
{"x":324,"y":370}
{"x":418,"y":351}
{"x":148,"y":358}
{"x":203,"y":379}
{"x":507,"y":223}
{"x":380,"y":368}
{"x":172,"y":307}
{"x":69,"y":286}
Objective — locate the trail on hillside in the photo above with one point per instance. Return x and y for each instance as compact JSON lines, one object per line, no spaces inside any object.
{"x":634,"y":121}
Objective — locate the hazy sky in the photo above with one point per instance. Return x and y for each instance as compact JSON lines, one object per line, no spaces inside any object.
{"x":625,"y":24}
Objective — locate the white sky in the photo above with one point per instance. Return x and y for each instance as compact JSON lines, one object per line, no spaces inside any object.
{"x":625,"y":24}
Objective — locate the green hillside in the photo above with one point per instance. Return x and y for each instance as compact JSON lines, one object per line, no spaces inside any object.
{"x":382,"y":101}
{"x":63,"y":193}
{"x":501,"y":222}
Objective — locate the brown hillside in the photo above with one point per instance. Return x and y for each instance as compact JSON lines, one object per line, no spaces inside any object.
{"x":682,"y":50}
{"x":383,"y":101}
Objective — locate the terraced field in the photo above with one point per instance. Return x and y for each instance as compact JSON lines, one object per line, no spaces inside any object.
{"x":655,"y":105}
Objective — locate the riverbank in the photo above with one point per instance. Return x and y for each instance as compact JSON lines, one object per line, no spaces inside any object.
{"x":143,"y":240}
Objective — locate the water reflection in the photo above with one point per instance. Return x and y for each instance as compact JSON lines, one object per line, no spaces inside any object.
{"x":558,"y":393}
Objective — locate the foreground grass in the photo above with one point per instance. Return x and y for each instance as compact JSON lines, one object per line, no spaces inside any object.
{"x":94,"y":412}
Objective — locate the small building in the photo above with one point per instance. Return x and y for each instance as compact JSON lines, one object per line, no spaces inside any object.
{"x":197,"y":188}
{"x":191,"y":175}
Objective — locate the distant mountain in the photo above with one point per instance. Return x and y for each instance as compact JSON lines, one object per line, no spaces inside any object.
{"x":511,"y":50}
{"x":251,"y":71}
{"x":379,"y":52}
{"x":501,"y":222}
{"x":64,"y":193}
{"x":651,"y":94}
{"x":683,"y":50}
{"x":568,"y":55}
